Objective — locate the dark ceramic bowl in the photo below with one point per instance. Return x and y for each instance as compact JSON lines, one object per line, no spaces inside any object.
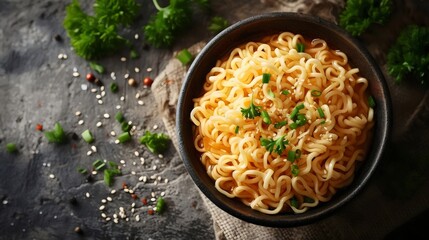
{"x":253,"y":29}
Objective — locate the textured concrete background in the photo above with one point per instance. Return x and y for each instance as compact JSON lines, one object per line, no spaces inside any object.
{"x":37,"y":87}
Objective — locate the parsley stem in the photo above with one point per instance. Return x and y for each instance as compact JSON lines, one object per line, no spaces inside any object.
{"x":266,"y":117}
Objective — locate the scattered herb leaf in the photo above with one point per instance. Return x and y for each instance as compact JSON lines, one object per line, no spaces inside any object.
{"x":57,"y":135}
{"x":252,"y":111}
{"x":155,"y":142}
{"x":278,"y":145}
{"x":217,"y":24}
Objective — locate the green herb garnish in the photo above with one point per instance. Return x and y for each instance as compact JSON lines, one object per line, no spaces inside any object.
{"x":295,"y":111}
{"x":280,"y":124}
{"x":266,"y":77}
{"x":408,"y":57}
{"x":285,"y":92}
{"x":87,"y":136}
{"x":358,"y":15}
{"x":97,"y":67}
{"x":316,"y":93}
{"x":266,"y":117}
{"x":11,"y":148}
{"x":278,"y":145}
{"x":155,"y":142}
{"x":252,"y":111}
{"x":114,"y":87}
{"x":294,"y":170}
{"x":185,"y":57}
{"x":119,"y":117}
{"x":98,"y":164}
{"x":371,"y":102}
{"x":294,"y":202}
{"x":109,"y":175}
{"x":57,"y":135}
{"x":237,"y":128}
{"x":300,"y":47}
{"x":82,"y":170}
{"x":217,"y":24}
{"x":134,"y":54}
{"x":160,"y":205}
{"x":321,"y":113}
{"x":125,"y":126}
{"x":124,"y":137}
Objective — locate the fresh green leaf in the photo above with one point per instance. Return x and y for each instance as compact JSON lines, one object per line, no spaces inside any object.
{"x":358,"y":15}
{"x":294,"y":170}
{"x":114,"y":87}
{"x":371,"y":102}
{"x":119,"y":117}
{"x":155,"y":142}
{"x":97,"y":67}
{"x":160,"y":205}
{"x":114,"y":12}
{"x":408,"y":57}
{"x":217,"y":24}
{"x":134,"y":54}
{"x":185,"y":57}
{"x":252,"y":111}
{"x":294,"y":202}
{"x":278,"y":145}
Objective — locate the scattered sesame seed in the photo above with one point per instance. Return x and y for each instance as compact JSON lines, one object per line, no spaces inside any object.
{"x":155,"y":127}
{"x":122,"y":98}
{"x":106,"y":116}
{"x":112,"y":133}
{"x":132,"y":210}
{"x":76,"y":74}
{"x":103,"y":200}
{"x":113,"y":191}
{"x":103,"y":215}
{"x":65,"y":56}
{"x":159,"y":178}
{"x":113,"y":75}
{"x":118,"y":106}
{"x":117,"y":141}
{"x":94,"y":90}
{"x":108,"y":219}
{"x":166,"y":180}
{"x":136,"y":153}
{"x":154,"y":167}
{"x":122,"y":162}
{"x":74,"y":69}
{"x":123,"y":59}
{"x":51,"y":176}
{"x":142,"y":161}
{"x":137,"y":95}
{"x":126,"y":75}
{"x":5,"y":202}
{"x":84,"y":87}
{"x":162,"y":194}
{"x":134,"y":163}
{"x":149,"y":69}
{"x":109,"y":199}
{"x":87,"y":195}
{"x":60,"y":56}
{"x":81,"y":122}
{"x":102,"y":207}
{"x":126,"y":190}
{"x":140,"y":102}
{"x":137,"y":218}
{"x":89,"y":153}
{"x":48,"y":164}
{"x":99,"y":124}
{"x":94,"y":172}
{"x":100,"y":101}
{"x":153,"y":199}
{"x":94,"y":148}
{"x":102,"y":88}
{"x":153,"y":177}
{"x":115,"y":220}
{"x":78,"y":113}
{"x":155,"y":182}
{"x":103,"y":93}
{"x":131,"y":191}
{"x":160,"y":156}
{"x":98,"y":96}
{"x":136,"y":69}
{"x":133,"y":172}
{"x":136,"y":36}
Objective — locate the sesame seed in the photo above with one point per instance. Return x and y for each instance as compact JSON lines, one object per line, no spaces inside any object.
{"x":89,"y":153}
{"x":123,"y":59}
{"x":94,"y":90}
{"x":78,"y":113}
{"x":5,"y":202}
{"x":103,"y":93}
{"x":106,"y":116}
{"x":155,"y":182}
{"x":155,"y":127}
{"x":100,"y":101}
{"x":60,"y":56}
{"x":138,"y":218}
{"x":137,"y":95}
{"x":76,"y":74}
{"x":113,"y":75}
{"x":103,"y":215}
{"x":136,"y":69}
{"x":94,"y":148}
{"x":136,"y":36}
{"x":126,"y":75}
{"x":103,"y":200}
{"x":87,"y":195}
{"x":118,"y":106}
{"x":159,"y":178}
{"x":113,"y":191}
{"x":133,"y":172}
{"x":154,"y":167}
{"x":65,"y":56}
{"x":122,"y":162}
{"x":131,"y":191}
{"x":153,"y":177}
{"x":162,"y":194}
{"x":149,"y":69}
{"x":51,"y":176}
{"x":98,"y":96}
{"x":136,"y":153}
{"x":102,"y":207}
{"x":84,"y":87}
{"x":140,"y":102}
{"x":142,"y":161}
{"x":94,"y":172}
{"x":126,"y":190}
{"x":141,"y":179}
{"x":160,"y":156}
{"x":132,"y":210}
{"x":117,"y":141}
{"x":112,"y":133}
{"x":122,"y":98}
{"x":99,"y":124}
{"x":74,"y":69}
{"x":102,"y":88}
{"x":153,"y":199}
{"x":130,"y":123}
{"x":108,"y":219}
{"x":109,"y":199}
{"x":115,"y":220}
{"x":166,"y":180}
{"x":80,"y":122}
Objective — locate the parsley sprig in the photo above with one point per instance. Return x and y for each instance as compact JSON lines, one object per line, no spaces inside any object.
{"x":278,"y":145}
{"x":155,"y":142}
{"x":358,"y":15}
{"x":252,"y":111}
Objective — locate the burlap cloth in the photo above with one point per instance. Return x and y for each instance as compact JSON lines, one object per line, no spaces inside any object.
{"x":397,"y":193}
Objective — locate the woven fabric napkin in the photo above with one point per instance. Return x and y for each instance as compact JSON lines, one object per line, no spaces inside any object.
{"x":377,"y":211}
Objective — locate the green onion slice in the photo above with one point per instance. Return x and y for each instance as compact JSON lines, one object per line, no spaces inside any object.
{"x":119,"y":117}
{"x":291,"y":156}
{"x":87,"y":136}
{"x":98,"y":164}
{"x":11,"y":148}
{"x":82,"y":170}
{"x":285,"y":92}
{"x":321,"y":113}
{"x":280,"y":124}
{"x":316,"y":93}
{"x":124,"y":137}
{"x":371,"y":102}
{"x":237,"y":128}
{"x":184,"y":56}
{"x":294,"y":202}
{"x":266,"y":77}
{"x":114,"y":87}
{"x":295,"y":170}
{"x":266,"y":117}
{"x":300,"y":47}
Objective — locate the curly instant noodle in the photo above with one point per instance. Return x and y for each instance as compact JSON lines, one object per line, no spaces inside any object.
{"x":314,"y":104}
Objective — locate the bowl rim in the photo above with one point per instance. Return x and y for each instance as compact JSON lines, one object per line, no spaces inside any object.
{"x":291,"y":220}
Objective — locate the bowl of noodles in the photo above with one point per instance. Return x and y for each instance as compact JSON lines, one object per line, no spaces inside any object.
{"x":282,"y":118}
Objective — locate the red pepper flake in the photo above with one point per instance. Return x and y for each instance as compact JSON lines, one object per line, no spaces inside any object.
{"x":39,"y":127}
{"x":134,"y":196}
{"x":144,"y":201}
{"x":147,"y":81}
{"x":150,"y":211}
{"x":124,"y":185}
{"x":90,"y":77}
